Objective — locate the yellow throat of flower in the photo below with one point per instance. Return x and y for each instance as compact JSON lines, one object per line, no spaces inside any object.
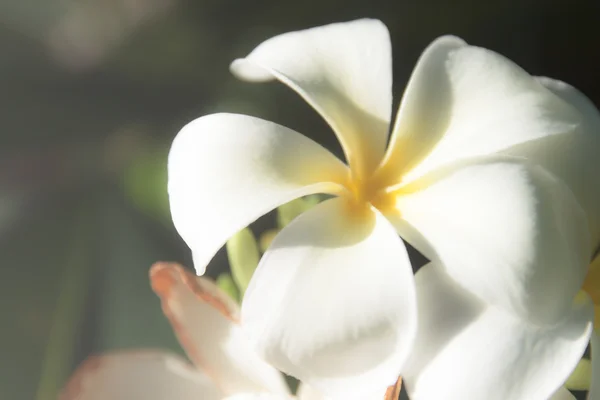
{"x":363,"y":193}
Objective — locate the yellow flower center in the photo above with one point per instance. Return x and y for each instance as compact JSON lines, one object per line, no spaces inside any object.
{"x":591,"y":286}
{"x":363,"y":194}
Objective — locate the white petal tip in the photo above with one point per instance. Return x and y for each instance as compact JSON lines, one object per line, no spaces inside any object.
{"x":246,"y":70}
{"x":200,"y":263}
{"x":449,"y":40}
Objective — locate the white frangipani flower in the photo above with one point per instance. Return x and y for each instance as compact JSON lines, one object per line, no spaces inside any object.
{"x":496,"y":353}
{"x":333,"y":299}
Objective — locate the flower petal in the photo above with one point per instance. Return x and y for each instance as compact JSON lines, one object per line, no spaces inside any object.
{"x":476,"y":102}
{"x":505,"y":230}
{"x":594,"y":393}
{"x":205,"y":322}
{"x":417,"y":129}
{"x":306,"y":392}
{"x":332,"y":302}
{"x":574,"y":157}
{"x":148,"y":375}
{"x":468,"y":350}
{"x":226,"y":170}
{"x":344,"y":71}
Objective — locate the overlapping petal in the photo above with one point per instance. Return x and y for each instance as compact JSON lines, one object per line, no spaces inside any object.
{"x":344,"y":71}
{"x":417,"y":129}
{"x":148,"y":375}
{"x":332,"y":302}
{"x":205,"y":321}
{"x":467,"y":349}
{"x":226,"y":170}
{"x":507,"y":231}
{"x":573,"y":157}
{"x":476,"y":102}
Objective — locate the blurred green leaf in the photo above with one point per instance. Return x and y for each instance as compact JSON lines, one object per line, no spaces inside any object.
{"x":225,"y":283}
{"x":243,"y":255}
{"x":266,"y":238}
{"x":287,"y":212}
{"x":581,"y":377}
{"x":145,"y":183}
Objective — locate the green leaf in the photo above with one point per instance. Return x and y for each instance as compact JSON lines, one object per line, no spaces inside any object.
{"x":225,"y":283}
{"x":266,"y":238}
{"x":242,"y":252}
{"x":581,"y":376}
{"x":287,"y":212}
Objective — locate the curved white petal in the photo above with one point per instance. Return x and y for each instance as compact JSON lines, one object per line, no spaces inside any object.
{"x":344,"y":71}
{"x":420,"y":121}
{"x":505,"y":230}
{"x":148,"y":375}
{"x":574,"y":157}
{"x":594,"y":393}
{"x":205,"y":322}
{"x":483,"y":103}
{"x":562,"y":394}
{"x":332,"y":302}
{"x":227,"y":170}
{"x":466,"y":349}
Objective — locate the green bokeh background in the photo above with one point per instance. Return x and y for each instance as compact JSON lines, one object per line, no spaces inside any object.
{"x":92,"y":93}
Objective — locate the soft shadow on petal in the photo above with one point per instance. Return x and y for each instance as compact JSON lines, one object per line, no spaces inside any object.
{"x":466,"y":349}
{"x":344,"y":71}
{"x":332,"y":302}
{"x":506,"y":230}
{"x":205,"y":322}
{"x":147,"y":375}
{"x":487,"y":104}
{"x":226,"y":170}
{"x":574,"y":157}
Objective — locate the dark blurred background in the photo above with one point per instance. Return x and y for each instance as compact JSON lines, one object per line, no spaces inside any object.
{"x":92,"y":93}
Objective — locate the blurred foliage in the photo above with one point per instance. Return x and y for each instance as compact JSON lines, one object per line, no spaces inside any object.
{"x":266,"y":238}
{"x":95,"y":90}
{"x":226,"y":283}
{"x":145,"y":181}
{"x":287,"y":212}
{"x":243,"y":256}
{"x":580,"y":379}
